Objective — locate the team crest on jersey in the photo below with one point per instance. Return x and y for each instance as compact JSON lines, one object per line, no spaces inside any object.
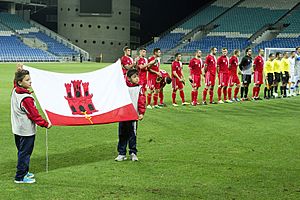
{"x":80,"y":101}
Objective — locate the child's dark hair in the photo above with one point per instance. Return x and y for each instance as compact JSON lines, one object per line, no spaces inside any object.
{"x":131,"y":72}
{"x":19,"y":75}
{"x":168,"y":80}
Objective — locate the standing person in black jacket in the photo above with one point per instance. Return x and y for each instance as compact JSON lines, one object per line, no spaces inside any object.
{"x":246,"y":69}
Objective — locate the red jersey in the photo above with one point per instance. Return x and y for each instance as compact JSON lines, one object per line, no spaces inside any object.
{"x":154,"y":67}
{"x":211,"y":63}
{"x":233,"y":62}
{"x":126,"y":60}
{"x":259,"y":64}
{"x":195,"y":66}
{"x":177,"y":67}
{"x":223,"y":63}
{"x":142,"y":72}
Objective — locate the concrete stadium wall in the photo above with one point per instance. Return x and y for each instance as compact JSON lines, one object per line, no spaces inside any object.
{"x":99,"y":35}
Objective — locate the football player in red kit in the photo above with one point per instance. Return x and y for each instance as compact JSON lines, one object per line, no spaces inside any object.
{"x":153,"y":74}
{"x":258,"y":68}
{"x":222,"y":69}
{"x":177,"y":80}
{"x":165,"y":79}
{"x":195,"y":65}
{"x":126,"y":61}
{"x":142,"y":67}
{"x":210,"y":67}
{"x":233,"y":76}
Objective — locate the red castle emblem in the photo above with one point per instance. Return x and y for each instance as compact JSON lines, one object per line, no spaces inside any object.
{"x":80,"y":104}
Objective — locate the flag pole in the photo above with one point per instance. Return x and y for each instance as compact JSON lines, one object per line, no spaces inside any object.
{"x":47,"y":158}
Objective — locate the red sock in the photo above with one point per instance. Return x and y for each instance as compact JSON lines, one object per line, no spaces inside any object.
{"x":204,"y":94}
{"x":155,"y":98}
{"x":219,"y":93}
{"x":193,"y":96}
{"x":211,"y":95}
{"x":161,"y":97}
{"x":174,"y":96}
{"x":257,"y":91}
{"x":182,"y":95}
{"x":196,"y":96}
{"x":254,"y":92}
{"x":149,"y":97}
{"x":229,"y":92}
{"x":236,"y":91}
{"x":225,"y":93}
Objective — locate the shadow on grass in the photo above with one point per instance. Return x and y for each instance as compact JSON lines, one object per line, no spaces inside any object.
{"x":77,"y":157}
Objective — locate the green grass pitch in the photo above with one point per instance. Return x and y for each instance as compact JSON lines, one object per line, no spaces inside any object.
{"x":246,"y":150}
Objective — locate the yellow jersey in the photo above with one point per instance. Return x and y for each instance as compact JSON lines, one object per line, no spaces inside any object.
{"x":277,"y":66}
{"x":268,"y":68}
{"x":285,"y":65}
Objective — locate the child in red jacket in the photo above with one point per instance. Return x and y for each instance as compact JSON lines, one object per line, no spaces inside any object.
{"x":24,"y":118}
{"x":127,"y":129}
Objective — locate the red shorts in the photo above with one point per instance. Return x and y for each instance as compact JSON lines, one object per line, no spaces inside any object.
{"x":233,"y":79}
{"x":223,"y":79}
{"x":176,"y":84}
{"x":210,"y":79}
{"x":196,"y":81}
{"x":152,"y":84}
{"x":258,"y":77}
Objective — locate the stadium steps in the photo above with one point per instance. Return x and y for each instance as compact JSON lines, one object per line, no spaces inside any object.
{"x":295,"y":8}
{"x":194,"y":35}
{"x":277,"y":27}
{"x":200,"y":31}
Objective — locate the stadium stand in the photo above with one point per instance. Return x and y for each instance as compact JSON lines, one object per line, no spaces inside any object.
{"x":54,"y":46}
{"x":216,"y":41}
{"x":13,"y":28}
{"x":13,"y":49}
{"x":289,"y":37}
{"x":203,"y":17}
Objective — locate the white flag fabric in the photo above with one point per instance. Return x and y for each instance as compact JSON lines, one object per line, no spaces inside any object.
{"x":97,"y":97}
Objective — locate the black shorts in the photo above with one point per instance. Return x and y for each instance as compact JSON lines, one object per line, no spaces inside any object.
{"x":277,"y":77}
{"x":246,"y":78}
{"x":285,"y":77}
{"x":270,"y":78}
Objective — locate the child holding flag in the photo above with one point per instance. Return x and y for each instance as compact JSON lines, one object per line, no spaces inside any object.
{"x":127,"y":129}
{"x":24,"y":118}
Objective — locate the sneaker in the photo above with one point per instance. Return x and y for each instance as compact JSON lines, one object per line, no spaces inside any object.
{"x":120,"y":158}
{"x":220,"y":102}
{"x":193,"y":103}
{"x":212,"y":102}
{"x":228,"y":101}
{"x":133,"y":157}
{"x":233,"y":100}
{"x":175,"y":104}
{"x":149,"y":107}
{"x":185,"y":103}
{"x":204,"y":103}
{"x":198,"y":103}
{"x":258,"y":98}
{"x":26,"y":180}
{"x":29,"y":175}
{"x":157,"y":106}
{"x":237,"y":100}
{"x":162,"y":105}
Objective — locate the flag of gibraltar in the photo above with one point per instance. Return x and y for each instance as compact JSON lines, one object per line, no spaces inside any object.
{"x":97,"y":97}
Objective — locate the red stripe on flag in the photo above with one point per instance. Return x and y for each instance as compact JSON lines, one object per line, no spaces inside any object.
{"x":125,"y":113}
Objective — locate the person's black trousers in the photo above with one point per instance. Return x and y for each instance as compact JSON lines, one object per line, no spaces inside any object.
{"x":127,"y":135}
{"x":25,"y":146}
